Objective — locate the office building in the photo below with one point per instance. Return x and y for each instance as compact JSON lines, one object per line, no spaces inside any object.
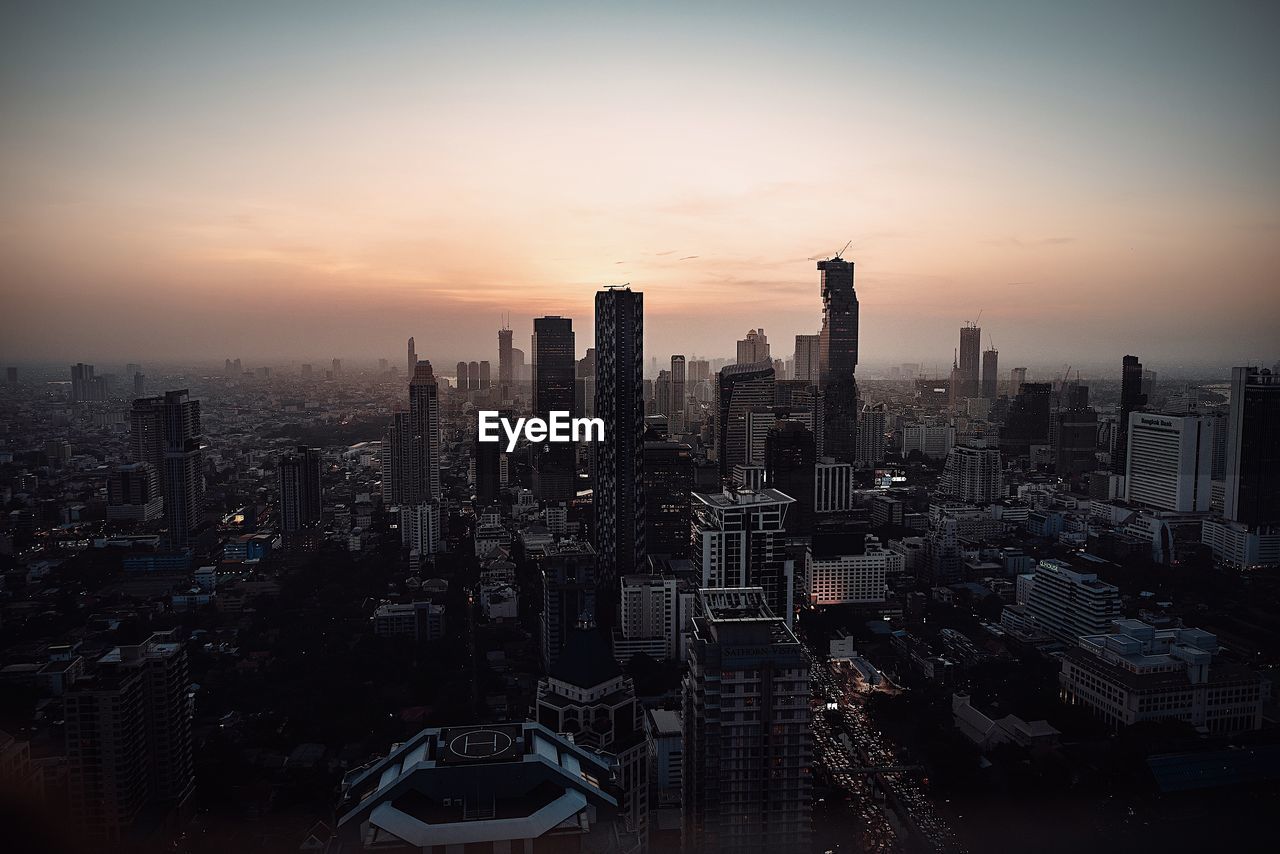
{"x":807,"y":359}
{"x":790,"y":458}
{"x":837,"y":423}
{"x":1026,"y":423}
{"x":668,"y":480}
{"x":933,"y":439}
{"x":873,"y":425}
{"x":833,"y":486}
{"x":990,"y":373}
{"x":421,"y":527}
{"x":569,"y":573}
{"x":133,"y":493}
{"x":1169,"y":461}
{"x":166,"y":433}
{"x":86,"y":386}
{"x":1068,"y":604}
{"x":490,"y":789}
{"x":662,"y":394}
{"x":841,"y":572}
{"x":739,"y":540}
{"x":300,"y":500}
{"x":554,"y":365}
{"x":655,"y":609}
{"x":1075,"y":434}
{"x":463,"y":376}
{"x":679,"y":394}
{"x":484,"y":376}
{"x":969,"y":361}
{"x":128,"y":741}
{"x":396,"y":458}
{"x":506,"y":378}
{"x":586,"y":695}
{"x":424,"y":435}
{"x":1131,"y":400}
{"x":747,"y":739}
{"x":1134,"y":673}
{"x":1252,"y":495}
{"x":754,"y":348}
{"x":619,"y":487}
{"x":412,"y":358}
{"x":973,"y":474}
{"x":740,"y":389}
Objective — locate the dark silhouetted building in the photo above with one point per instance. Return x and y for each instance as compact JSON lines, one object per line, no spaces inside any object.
{"x":837,"y":422}
{"x":740,"y":389}
{"x":790,"y":459}
{"x":300,"y":500}
{"x":619,"y":397}
{"x":668,"y":480}
{"x":990,"y":373}
{"x":970,"y":355}
{"x":1131,"y":400}
{"x":1027,"y":420}
{"x":554,"y":367}
{"x":569,"y":582}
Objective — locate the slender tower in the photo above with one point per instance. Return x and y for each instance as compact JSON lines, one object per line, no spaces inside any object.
{"x":837,"y":361}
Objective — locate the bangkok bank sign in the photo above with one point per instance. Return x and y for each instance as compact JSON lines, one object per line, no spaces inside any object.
{"x":558,"y":428}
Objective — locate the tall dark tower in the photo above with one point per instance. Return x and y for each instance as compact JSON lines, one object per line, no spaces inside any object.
{"x":504,"y":363}
{"x":424,"y":435}
{"x":970,"y":354}
{"x":413,"y":358}
{"x":990,"y":373}
{"x":619,"y":488}
{"x":300,"y":501}
{"x":183,"y":471}
{"x":1253,"y":449}
{"x":553,"y":391}
{"x":1131,"y":400}
{"x":790,"y":458}
{"x":837,"y":361}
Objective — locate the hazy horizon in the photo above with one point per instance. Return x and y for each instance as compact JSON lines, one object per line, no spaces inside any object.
{"x":303,"y":181}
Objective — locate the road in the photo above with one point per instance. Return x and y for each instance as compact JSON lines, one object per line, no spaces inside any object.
{"x":907,"y":822}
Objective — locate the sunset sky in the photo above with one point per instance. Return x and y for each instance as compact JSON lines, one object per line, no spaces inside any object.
{"x":304,"y":180}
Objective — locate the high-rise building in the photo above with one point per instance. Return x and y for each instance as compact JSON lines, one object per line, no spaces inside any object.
{"x":1170,"y":460}
{"x":167,"y":434}
{"x":488,"y":463}
{"x":463,"y":376}
{"x":1027,"y":420}
{"x":973,"y":474}
{"x":1075,"y":433}
{"x":619,"y":487}
{"x":873,"y":423}
{"x":699,"y":371}
{"x":739,"y":539}
{"x":1017,"y":376}
{"x":413,"y":358}
{"x":662,"y":394}
{"x":838,"y":361}
{"x":849,"y":576}
{"x":754,"y":348}
{"x":832,"y":486}
{"x":740,"y":389}
{"x":1253,"y":449}
{"x":128,"y":739}
{"x":485,"y":381}
{"x":133,"y":493}
{"x":473,"y":376}
{"x":790,"y":458}
{"x":970,"y":360}
{"x":569,"y":582}
{"x":300,"y":497}
{"x":139,"y":384}
{"x":505,"y":376}
{"x":397,"y":461}
{"x":990,"y":373}
{"x":554,"y":365}
{"x":424,"y":435}
{"x":1131,"y":400}
{"x":87,"y":387}
{"x":679,"y":394}
{"x":668,"y":479}
{"x":1069,"y":604}
{"x":337,"y":368}
{"x":808,"y":348}
{"x":655,"y":610}
{"x":747,"y":738}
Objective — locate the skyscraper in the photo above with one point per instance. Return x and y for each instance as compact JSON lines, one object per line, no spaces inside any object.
{"x":662,"y":394}
{"x":970,"y":355}
{"x":837,"y":361}
{"x":300,"y":498}
{"x":990,"y":373}
{"x":484,"y":375}
{"x":1075,"y":433}
{"x":739,"y":389}
{"x":873,"y":421}
{"x":167,"y":434}
{"x":747,"y":740}
{"x":1253,"y":449}
{"x":1027,"y":421}
{"x":473,"y":376}
{"x":413,"y":358}
{"x":463,"y":376}
{"x":1131,"y":400}
{"x":570,"y":579}
{"x":808,"y":348}
{"x":678,"y":393}
{"x":1017,"y":376}
{"x":739,"y":540}
{"x":424,"y":436}
{"x":619,"y":488}
{"x":1170,"y":459}
{"x":128,"y":739}
{"x":553,"y":391}
{"x":505,"y":377}
{"x":754,"y":348}
{"x":397,"y":449}
{"x":668,"y":479}
{"x":790,"y":458}
{"x":973,"y":474}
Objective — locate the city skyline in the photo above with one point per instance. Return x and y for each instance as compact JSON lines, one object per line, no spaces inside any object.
{"x":370,"y":178}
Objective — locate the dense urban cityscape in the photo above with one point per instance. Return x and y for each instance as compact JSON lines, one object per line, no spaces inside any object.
{"x":778,"y":608}
{"x":615,"y":428}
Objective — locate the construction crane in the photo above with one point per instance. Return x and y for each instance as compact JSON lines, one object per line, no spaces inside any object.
{"x":835,"y":257}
